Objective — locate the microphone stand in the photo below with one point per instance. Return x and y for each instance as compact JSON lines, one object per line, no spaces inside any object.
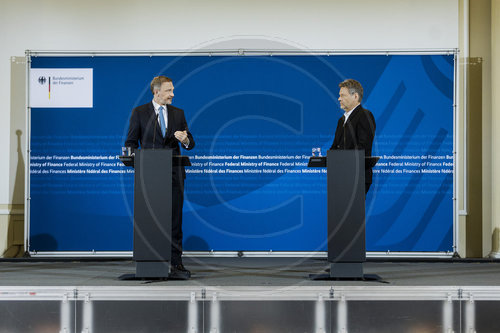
{"x":344,"y":148}
{"x":154,"y":134}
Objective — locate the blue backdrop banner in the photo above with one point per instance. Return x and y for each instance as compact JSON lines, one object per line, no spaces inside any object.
{"x":255,"y":120}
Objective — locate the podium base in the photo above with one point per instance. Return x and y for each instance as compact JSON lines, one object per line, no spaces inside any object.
{"x":327,"y":277}
{"x":155,"y":270}
{"x":133,"y":277}
{"x":152,"y":269}
{"x":346,"y":271}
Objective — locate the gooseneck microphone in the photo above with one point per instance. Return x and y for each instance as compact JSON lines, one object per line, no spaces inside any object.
{"x":155,"y":119}
{"x":344,"y":148}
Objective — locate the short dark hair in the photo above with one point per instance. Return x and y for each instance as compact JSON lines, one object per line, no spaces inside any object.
{"x":353,"y":86}
{"x":158,"y":81}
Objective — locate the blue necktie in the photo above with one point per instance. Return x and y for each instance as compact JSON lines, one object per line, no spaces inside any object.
{"x":162,"y":121}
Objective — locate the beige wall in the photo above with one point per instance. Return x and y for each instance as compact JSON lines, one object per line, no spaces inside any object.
{"x":480,"y":47}
{"x":484,"y":29}
{"x":495,"y":125}
{"x":459,"y":185}
{"x":479,"y":117}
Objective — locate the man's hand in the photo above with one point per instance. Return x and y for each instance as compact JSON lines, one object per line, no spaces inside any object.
{"x":182,"y":137}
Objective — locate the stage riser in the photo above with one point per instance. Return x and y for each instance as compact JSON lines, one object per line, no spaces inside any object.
{"x":216,"y":315}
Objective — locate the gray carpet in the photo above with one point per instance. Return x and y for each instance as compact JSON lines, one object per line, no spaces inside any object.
{"x":249,"y":272}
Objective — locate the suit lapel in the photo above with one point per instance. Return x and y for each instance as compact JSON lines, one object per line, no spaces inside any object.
{"x":170,"y":124}
{"x":355,"y":113}
{"x":338,"y":132}
{"x":349,"y":131}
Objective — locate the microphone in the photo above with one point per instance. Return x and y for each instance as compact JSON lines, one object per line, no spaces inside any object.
{"x":344,"y":139}
{"x":156,"y":124}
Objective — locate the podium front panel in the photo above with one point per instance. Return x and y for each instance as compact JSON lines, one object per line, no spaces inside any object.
{"x":346,"y":205}
{"x":153,"y":205}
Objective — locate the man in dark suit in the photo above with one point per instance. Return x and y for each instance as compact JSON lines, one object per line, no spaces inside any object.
{"x":158,"y":124}
{"x":356,"y":128}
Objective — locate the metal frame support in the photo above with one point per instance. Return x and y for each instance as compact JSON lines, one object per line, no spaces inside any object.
{"x":65,"y":314}
{"x":342,"y":314}
{"x":320,"y":319}
{"x":193,"y":313}
{"x":448,"y":314}
{"x":87,"y":315}
{"x":470,"y":315}
{"x":215,"y":314}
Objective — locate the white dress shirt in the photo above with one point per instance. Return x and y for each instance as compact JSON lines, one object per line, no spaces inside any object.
{"x":347,"y":114}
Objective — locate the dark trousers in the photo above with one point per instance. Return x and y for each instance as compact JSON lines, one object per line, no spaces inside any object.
{"x":177,"y":203}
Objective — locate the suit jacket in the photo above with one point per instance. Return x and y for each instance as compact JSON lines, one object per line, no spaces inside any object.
{"x":357,"y":133}
{"x":144,"y":130}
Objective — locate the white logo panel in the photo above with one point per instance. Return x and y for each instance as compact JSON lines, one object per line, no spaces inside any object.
{"x":61,"y":88}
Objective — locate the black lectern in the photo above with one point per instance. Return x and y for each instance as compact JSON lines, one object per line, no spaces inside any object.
{"x":153,"y":210}
{"x":346,"y":212}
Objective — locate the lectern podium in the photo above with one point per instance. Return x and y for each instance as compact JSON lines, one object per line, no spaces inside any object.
{"x":346,"y":212}
{"x":153,"y":210}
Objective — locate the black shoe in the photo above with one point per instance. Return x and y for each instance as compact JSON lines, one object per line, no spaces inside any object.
{"x":180,"y":267}
{"x":179,"y":272}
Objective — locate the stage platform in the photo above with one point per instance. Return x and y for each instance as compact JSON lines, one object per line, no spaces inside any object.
{"x":249,"y":295}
